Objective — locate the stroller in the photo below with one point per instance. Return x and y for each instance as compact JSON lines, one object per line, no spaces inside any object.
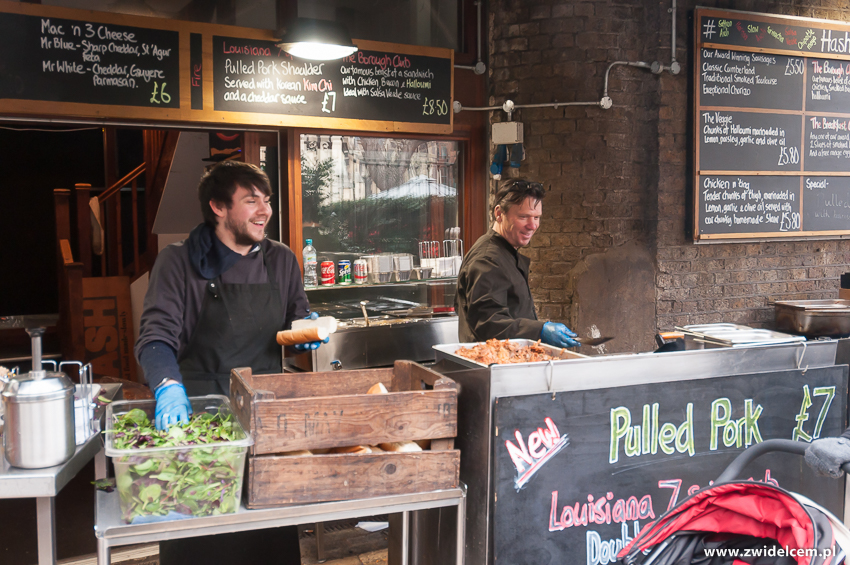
{"x":743,"y":523}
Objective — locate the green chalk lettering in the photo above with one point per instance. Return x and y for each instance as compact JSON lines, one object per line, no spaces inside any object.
{"x":621,"y":419}
{"x":685,"y":434}
{"x":719,"y":421}
{"x":751,"y":417}
{"x":667,"y":436}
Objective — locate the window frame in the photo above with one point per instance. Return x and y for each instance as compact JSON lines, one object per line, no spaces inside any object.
{"x":470,"y":189}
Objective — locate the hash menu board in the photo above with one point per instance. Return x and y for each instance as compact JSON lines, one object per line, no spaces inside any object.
{"x":771,"y":126}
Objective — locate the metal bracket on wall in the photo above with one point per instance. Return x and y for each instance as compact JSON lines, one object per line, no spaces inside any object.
{"x":479,"y":66}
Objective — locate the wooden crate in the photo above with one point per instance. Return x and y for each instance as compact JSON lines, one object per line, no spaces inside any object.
{"x":295,"y":411}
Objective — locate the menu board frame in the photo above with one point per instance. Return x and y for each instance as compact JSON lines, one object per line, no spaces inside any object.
{"x":202,"y":112}
{"x":809,"y":44}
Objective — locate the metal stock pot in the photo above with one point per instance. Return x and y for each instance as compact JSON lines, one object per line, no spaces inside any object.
{"x":39,"y":430}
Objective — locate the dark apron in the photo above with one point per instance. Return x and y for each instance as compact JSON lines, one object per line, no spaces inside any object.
{"x":236,"y":328}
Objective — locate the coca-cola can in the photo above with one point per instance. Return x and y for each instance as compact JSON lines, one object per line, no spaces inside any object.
{"x":360,"y":271}
{"x":328,"y":273}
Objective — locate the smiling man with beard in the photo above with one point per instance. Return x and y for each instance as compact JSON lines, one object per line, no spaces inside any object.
{"x":215,"y":301}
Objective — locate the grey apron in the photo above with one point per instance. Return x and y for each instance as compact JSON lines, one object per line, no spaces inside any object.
{"x":236,"y":328}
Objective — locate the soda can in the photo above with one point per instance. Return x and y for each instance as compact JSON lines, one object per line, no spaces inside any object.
{"x":328,"y":273}
{"x":360,"y":271}
{"x":344,"y":272}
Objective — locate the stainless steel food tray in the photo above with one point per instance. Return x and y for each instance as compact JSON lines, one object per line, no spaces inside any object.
{"x":830,"y":317}
{"x":447,"y":351}
{"x":742,"y":336}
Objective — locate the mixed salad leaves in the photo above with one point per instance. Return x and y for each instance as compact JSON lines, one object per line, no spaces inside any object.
{"x":201,"y":481}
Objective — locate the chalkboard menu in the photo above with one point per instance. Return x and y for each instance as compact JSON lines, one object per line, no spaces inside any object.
{"x":257,"y":76}
{"x":771,"y":126}
{"x":83,"y":64}
{"x":578,"y":475}
{"x":61,"y":60}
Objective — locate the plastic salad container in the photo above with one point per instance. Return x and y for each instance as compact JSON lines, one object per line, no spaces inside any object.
{"x":168,"y":483}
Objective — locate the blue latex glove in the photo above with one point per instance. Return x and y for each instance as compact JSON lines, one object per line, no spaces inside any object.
{"x":499,"y":158}
{"x":172,"y":406}
{"x":558,"y":335}
{"x":517,"y":155}
{"x":310,"y":345}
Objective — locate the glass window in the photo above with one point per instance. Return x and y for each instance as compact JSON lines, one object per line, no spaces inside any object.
{"x":362,"y":195}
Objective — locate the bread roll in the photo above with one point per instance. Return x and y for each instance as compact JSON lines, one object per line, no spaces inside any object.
{"x":400,"y":446}
{"x":299,"y":452}
{"x":378,"y":388}
{"x":424,"y":443}
{"x":305,"y":335}
{"x":352,"y":449}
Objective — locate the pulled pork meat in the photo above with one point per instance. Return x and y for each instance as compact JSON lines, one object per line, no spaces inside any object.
{"x":502,"y":352}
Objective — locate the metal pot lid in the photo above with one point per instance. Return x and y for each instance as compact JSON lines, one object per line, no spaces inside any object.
{"x":37,"y":385}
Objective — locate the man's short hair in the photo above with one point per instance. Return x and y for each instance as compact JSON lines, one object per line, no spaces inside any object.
{"x":220,"y":182}
{"x":515,"y":191}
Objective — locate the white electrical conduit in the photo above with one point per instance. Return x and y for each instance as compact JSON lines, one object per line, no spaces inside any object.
{"x":604,"y":103}
{"x":656,"y":67}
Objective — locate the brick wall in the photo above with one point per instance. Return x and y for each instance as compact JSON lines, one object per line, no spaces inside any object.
{"x":620,"y":176}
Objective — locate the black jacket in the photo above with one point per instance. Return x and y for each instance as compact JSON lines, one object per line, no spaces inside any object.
{"x":493,"y":299}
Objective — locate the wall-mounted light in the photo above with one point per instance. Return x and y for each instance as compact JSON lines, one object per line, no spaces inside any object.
{"x":318,"y":40}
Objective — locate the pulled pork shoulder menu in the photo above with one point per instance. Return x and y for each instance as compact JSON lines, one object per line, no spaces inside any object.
{"x":502,"y":352}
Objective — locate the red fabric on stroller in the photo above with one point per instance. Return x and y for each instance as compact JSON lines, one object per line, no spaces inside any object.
{"x":745,"y":508}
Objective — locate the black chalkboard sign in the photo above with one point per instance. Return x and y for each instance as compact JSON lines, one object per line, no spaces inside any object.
{"x":747,"y":141}
{"x":826,"y":146}
{"x":756,"y":204}
{"x":750,"y":80}
{"x":771,"y":97}
{"x":577,"y":476}
{"x":827,"y":85}
{"x":826,"y":202}
{"x":257,"y":76}
{"x":62,"y":60}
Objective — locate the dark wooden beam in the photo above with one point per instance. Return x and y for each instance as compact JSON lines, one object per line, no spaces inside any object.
{"x":287,"y":10}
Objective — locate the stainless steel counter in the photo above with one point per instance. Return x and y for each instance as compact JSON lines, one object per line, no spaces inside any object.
{"x":112,"y":531}
{"x":481,"y":386}
{"x":45,"y":484}
{"x":358,"y":347}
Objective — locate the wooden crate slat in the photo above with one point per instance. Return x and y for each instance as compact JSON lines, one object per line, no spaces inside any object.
{"x":276,"y":481}
{"x":300,"y":385}
{"x":334,"y":421}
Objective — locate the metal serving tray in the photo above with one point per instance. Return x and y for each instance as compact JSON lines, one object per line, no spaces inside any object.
{"x":708,"y":336}
{"x":447,"y":351}
{"x":814,"y":317}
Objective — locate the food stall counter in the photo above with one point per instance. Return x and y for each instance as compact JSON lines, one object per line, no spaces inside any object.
{"x":565,"y":410}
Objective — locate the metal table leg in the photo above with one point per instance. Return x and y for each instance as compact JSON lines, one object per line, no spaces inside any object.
{"x":100,"y":465}
{"x":460,"y":548}
{"x":46,"y":531}
{"x":320,"y":542}
{"x":103,"y":552}
{"x":405,"y":536}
